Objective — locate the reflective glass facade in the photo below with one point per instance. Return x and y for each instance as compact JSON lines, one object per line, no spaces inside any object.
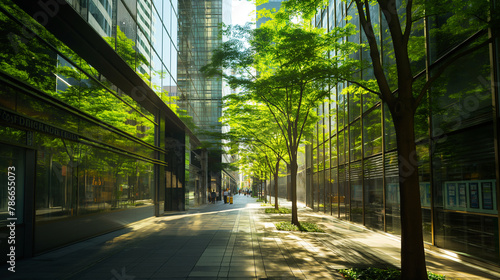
{"x":201,"y":97}
{"x":148,"y":27}
{"x":199,"y":35}
{"x":85,"y":121}
{"x":353,"y":163}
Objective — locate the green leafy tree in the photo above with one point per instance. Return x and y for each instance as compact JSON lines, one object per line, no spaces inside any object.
{"x":253,"y":130}
{"x":294,"y":66}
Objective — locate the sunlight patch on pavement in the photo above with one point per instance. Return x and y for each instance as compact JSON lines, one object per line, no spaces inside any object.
{"x":253,"y":205}
{"x":269,"y":225}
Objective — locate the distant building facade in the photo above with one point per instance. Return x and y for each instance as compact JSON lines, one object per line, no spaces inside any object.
{"x":199,"y":96}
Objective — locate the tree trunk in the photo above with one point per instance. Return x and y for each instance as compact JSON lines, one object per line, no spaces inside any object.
{"x":293,"y":177}
{"x":265,"y":188}
{"x":261,"y":191}
{"x":412,"y":246}
{"x":276,"y":185}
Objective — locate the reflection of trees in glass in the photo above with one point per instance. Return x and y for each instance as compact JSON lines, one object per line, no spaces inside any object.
{"x":22,"y":57}
{"x":12,"y":135}
{"x":453,"y":21}
{"x":355,"y":141}
{"x":30,"y":59}
{"x":122,"y":179}
{"x":372,"y":133}
{"x":342,"y":147}
{"x":75,"y":179}
{"x":461,"y":97}
{"x":322,"y":136}
{"x":34,"y":62}
{"x":126,"y":48}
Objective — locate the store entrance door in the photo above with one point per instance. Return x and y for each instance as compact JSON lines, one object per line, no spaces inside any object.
{"x":16,"y":194}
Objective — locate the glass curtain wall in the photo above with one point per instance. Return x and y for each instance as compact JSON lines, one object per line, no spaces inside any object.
{"x":91,"y":147}
{"x":201,"y":97}
{"x":455,"y":140}
{"x":166,"y":57}
{"x":95,"y":145}
{"x":144,"y":33}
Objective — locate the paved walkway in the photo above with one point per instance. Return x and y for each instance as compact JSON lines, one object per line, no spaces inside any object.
{"x":229,"y":241}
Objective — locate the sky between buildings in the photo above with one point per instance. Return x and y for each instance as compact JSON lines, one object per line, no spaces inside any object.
{"x":243,"y":12}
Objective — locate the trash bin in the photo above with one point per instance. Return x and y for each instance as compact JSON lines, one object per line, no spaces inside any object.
{"x":231,"y":199}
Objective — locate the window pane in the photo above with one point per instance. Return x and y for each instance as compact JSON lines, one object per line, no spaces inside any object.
{"x":355,"y":141}
{"x":462,"y":96}
{"x":372,"y":133}
{"x":389,"y":130}
{"x":356,"y":181}
{"x":392,"y":201}
{"x":374,"y":192}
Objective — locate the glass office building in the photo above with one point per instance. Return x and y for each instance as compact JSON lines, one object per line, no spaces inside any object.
{"x":352,"y":165}
{"x":87,"y":141}
{"x":199,"y":96}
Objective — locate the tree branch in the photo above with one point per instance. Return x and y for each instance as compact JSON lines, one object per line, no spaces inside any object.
{"x":367,"y":11}
{"x":304,"y":124}
{"x":400,"y":48}
{"x":406,"y":34}
{"x":268,"y":101}
{"x":365,"y":88}
{"x":275,"y":152}
{"x":280,"y":125}
{"x":386,"y":93}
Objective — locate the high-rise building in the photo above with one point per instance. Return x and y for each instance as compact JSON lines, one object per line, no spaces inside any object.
{"x":199,"y":35}
{"x":201,"y":97}
{"x":353,"y":165}
{"x":84,"y":127}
